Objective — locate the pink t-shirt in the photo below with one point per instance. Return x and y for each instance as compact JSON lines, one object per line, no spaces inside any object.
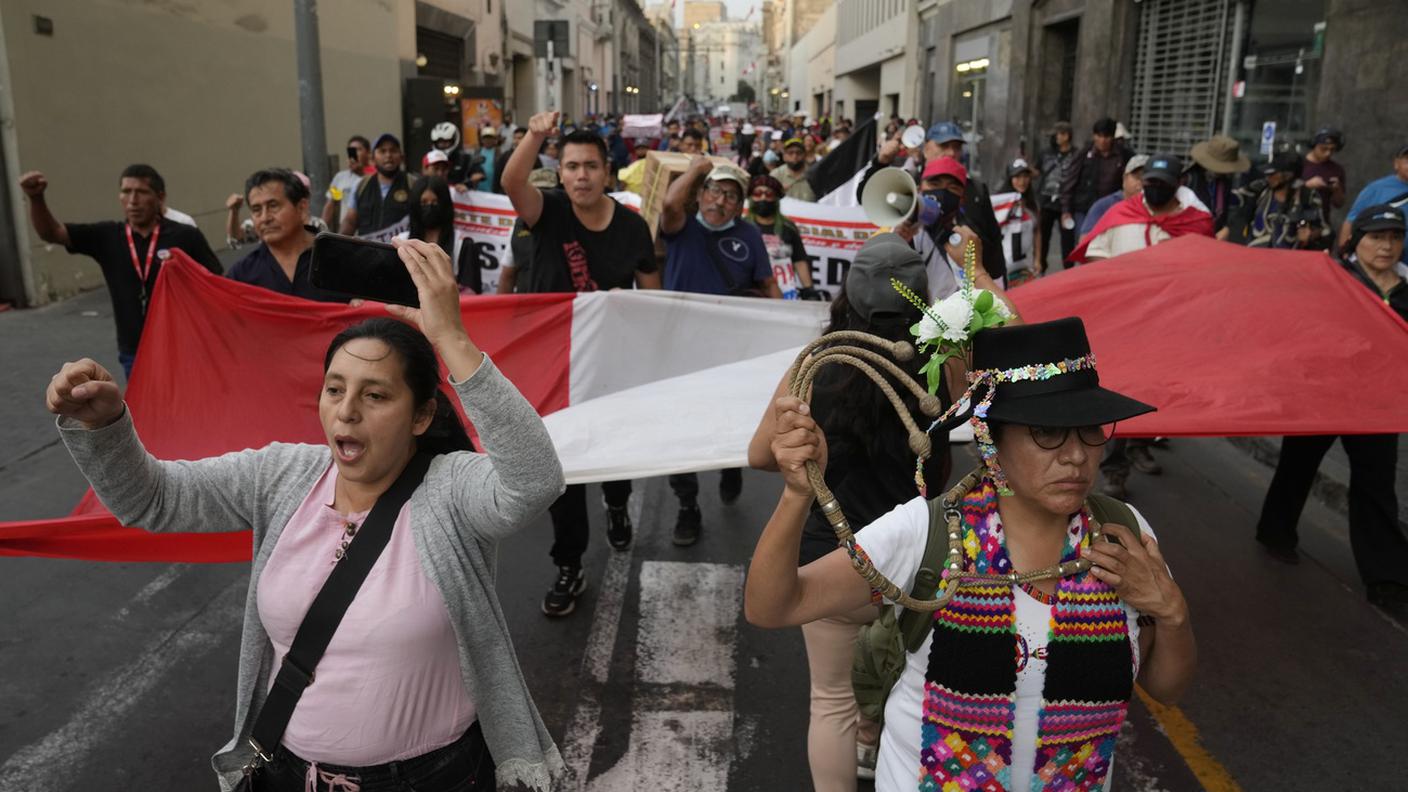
{"x":389,"y":685}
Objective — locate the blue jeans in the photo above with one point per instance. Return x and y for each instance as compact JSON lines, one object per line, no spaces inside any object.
{"x":126,"y":361}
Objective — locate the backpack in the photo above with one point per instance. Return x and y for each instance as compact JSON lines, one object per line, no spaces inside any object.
{"x":883,"y":644}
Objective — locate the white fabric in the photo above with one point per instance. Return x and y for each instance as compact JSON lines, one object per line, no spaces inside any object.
{"x":178,"y":216}
{"x":895,"y":544}
{"x":1130,"y":237}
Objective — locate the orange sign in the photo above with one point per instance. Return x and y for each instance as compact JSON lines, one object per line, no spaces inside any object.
{"x":476,"y":114}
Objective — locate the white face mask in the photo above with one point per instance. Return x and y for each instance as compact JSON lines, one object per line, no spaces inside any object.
{"x":724,"y":227}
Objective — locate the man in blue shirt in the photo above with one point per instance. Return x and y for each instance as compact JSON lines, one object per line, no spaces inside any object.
{"x":1133,"y":183}
{"x":1391,"y":189}
{"x":711,"y":252}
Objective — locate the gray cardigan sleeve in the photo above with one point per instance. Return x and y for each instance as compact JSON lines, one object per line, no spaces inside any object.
{"x":520,"y":476}
{"x":216,"y":494}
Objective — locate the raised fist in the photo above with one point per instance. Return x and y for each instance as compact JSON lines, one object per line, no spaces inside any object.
{"x":85,"y":392}
{"x":544,"y":124}
{"x":235,"y":201}
{"x":889,"y":150}
{"x":34,"y":184}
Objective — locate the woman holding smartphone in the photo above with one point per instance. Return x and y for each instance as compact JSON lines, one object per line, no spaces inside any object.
{"x":419,"y":684}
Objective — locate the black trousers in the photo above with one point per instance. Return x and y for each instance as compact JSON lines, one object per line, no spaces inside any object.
{"x":1049,"y":218}
{"x":686,"y":485}
{"x":462,"y":766}
{"x":571,"y":527}
{"x":1380,"y":549}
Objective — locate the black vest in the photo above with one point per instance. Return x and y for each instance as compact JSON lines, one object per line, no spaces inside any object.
{"x":374,"y":212}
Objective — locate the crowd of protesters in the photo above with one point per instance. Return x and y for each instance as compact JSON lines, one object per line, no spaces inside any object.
{"x":722,"y":231}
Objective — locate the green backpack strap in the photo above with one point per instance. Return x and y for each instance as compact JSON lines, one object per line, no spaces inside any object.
{"x":1112,"y":510}
{"x":914,"y":626}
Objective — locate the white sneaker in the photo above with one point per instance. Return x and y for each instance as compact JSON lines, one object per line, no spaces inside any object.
{"x":865,"y":761}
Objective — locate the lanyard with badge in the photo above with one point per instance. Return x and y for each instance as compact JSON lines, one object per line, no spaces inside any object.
{"x":143,"y":269}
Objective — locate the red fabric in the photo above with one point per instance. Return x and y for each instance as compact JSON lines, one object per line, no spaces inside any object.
{"x":1191,"y":220}
{"x":1227,"y":340}
{"x":225,"y":366}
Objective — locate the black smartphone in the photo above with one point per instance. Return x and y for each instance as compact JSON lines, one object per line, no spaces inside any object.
{"x":362,"y":268}
{"x":352,"y":153}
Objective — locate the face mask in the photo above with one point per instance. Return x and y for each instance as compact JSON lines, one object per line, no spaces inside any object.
{"x":1157,"y":194}
{"x":700,"y":217}
{"x":434,"y":215}
{"x":765,"y":208}
{"x":947,"y":202}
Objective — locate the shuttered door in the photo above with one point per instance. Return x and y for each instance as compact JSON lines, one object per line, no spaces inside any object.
{"x":1180,"y":73}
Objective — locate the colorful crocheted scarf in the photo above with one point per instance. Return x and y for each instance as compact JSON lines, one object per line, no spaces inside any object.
{"x":970,"y":699}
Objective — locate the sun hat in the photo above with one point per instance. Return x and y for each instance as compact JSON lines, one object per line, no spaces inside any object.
{"x":1221,"y":154}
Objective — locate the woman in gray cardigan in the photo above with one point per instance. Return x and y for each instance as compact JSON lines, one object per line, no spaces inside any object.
{"x":379,"y":405}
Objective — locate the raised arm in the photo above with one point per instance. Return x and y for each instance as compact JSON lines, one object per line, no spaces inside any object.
{"x":46,"y":226}
{"x":520,"y":476}
{"x":527,"y":199}
{"x":777,"y":593}
{"x":681,"y":190}
{"x":216,"y":494}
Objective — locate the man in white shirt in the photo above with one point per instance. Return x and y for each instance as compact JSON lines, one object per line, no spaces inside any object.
{"x":359,"y":160}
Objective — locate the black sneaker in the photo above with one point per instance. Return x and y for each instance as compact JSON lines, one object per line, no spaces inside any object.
{"x":1286,"y":555}
{"x":1391,"y":598}
{"x":730,"y":484}
{"x":561,"y":599}
{"x":618,"y":527}
{"x":687,"y":526}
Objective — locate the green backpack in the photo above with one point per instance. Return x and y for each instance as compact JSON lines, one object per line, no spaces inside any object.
{"x":883,"y":644}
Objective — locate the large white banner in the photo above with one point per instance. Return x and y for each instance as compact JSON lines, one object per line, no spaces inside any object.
{"x":830,"y":234}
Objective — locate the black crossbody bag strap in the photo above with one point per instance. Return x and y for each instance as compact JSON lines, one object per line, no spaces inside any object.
{"x":295,"y":674}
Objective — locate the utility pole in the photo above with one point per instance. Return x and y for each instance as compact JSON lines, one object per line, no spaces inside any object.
{"x":310,"y":101}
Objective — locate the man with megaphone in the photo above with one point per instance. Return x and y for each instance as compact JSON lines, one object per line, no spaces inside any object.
{"x":928,"y":216}
{"x":945,"y":140}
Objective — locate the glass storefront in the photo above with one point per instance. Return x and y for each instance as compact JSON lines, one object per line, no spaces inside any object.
{"x":1279,"y":76}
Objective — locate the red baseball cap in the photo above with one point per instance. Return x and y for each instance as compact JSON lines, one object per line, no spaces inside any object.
{"x":946,"y":166}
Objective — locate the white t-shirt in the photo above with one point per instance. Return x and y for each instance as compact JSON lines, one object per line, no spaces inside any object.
{"x":895,"y":544}
{"x":177,"y":216}
{"x":346,"y":181}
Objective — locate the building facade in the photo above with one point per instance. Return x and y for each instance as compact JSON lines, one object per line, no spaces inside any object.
{"x":718,"y":58}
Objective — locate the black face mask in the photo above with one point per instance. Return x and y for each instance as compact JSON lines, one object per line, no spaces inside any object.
{"x":765,"y":208}
{"x":1158,"y":194}
{"x":948,"y":206}
{"x":434,"y":215}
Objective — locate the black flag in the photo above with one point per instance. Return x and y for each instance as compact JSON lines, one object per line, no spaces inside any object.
{"x":845,"y":161}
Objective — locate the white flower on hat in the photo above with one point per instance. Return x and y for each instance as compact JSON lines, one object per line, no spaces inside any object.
{"x":956,"y":313}
{"x":929,"y":329}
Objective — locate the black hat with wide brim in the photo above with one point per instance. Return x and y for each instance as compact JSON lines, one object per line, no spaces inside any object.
{"x":1074,"y":398}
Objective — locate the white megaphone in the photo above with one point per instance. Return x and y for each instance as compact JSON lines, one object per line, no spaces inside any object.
{"x":891,"y":197}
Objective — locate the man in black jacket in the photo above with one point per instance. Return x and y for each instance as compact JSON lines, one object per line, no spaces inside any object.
{"x":945,"y":139}
{"x":1097,"y":171}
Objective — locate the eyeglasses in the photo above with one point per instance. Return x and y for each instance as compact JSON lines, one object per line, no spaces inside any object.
{"x":727,"y":196}
{"x":1051,"y":438}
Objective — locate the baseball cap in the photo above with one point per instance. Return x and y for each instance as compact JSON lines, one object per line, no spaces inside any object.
{"x":731,"y":173}
{"x":1135,"y":163}
{"x":1018,"y":165}
{"x":944,"y":132}
{"x":796,"y":141}
{"x":433,"y":156}
{"x":1165,"y":168}
{"x":1402,"y":152}
{"x":1105,"y":126}
{"x":777,"y":134}
{"x":488,"y":131}
{"x":882,"y":257}
{"x":946,"y":166}
{"x":543,"y":178}
{"x":747,"y":129}
{"x":1285,"y":162}
{"x":1379,"y":217}
{"x":386,"y":137}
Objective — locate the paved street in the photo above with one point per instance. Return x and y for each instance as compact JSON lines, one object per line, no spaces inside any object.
{"x":121,"y":676}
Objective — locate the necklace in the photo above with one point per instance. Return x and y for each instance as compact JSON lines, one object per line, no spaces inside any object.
{"x":349,"y":531}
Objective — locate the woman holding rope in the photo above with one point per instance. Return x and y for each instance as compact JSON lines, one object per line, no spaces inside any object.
{"x":1085,"y":609}
{"x":415,"y":684}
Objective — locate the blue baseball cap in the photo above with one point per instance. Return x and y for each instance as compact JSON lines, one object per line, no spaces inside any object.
{"x":945,"y":132}
{"x":386,"y":137}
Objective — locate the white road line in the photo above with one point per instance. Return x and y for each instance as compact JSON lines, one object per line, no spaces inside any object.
{"x":688,"y":623}
{"x":52,"y":762}
{"x":579,"y":741}
{"x":686,"y":637}
{"x":156,"y":586}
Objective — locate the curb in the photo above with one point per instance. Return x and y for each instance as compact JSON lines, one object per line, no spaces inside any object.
{"x":1332,"y":492}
